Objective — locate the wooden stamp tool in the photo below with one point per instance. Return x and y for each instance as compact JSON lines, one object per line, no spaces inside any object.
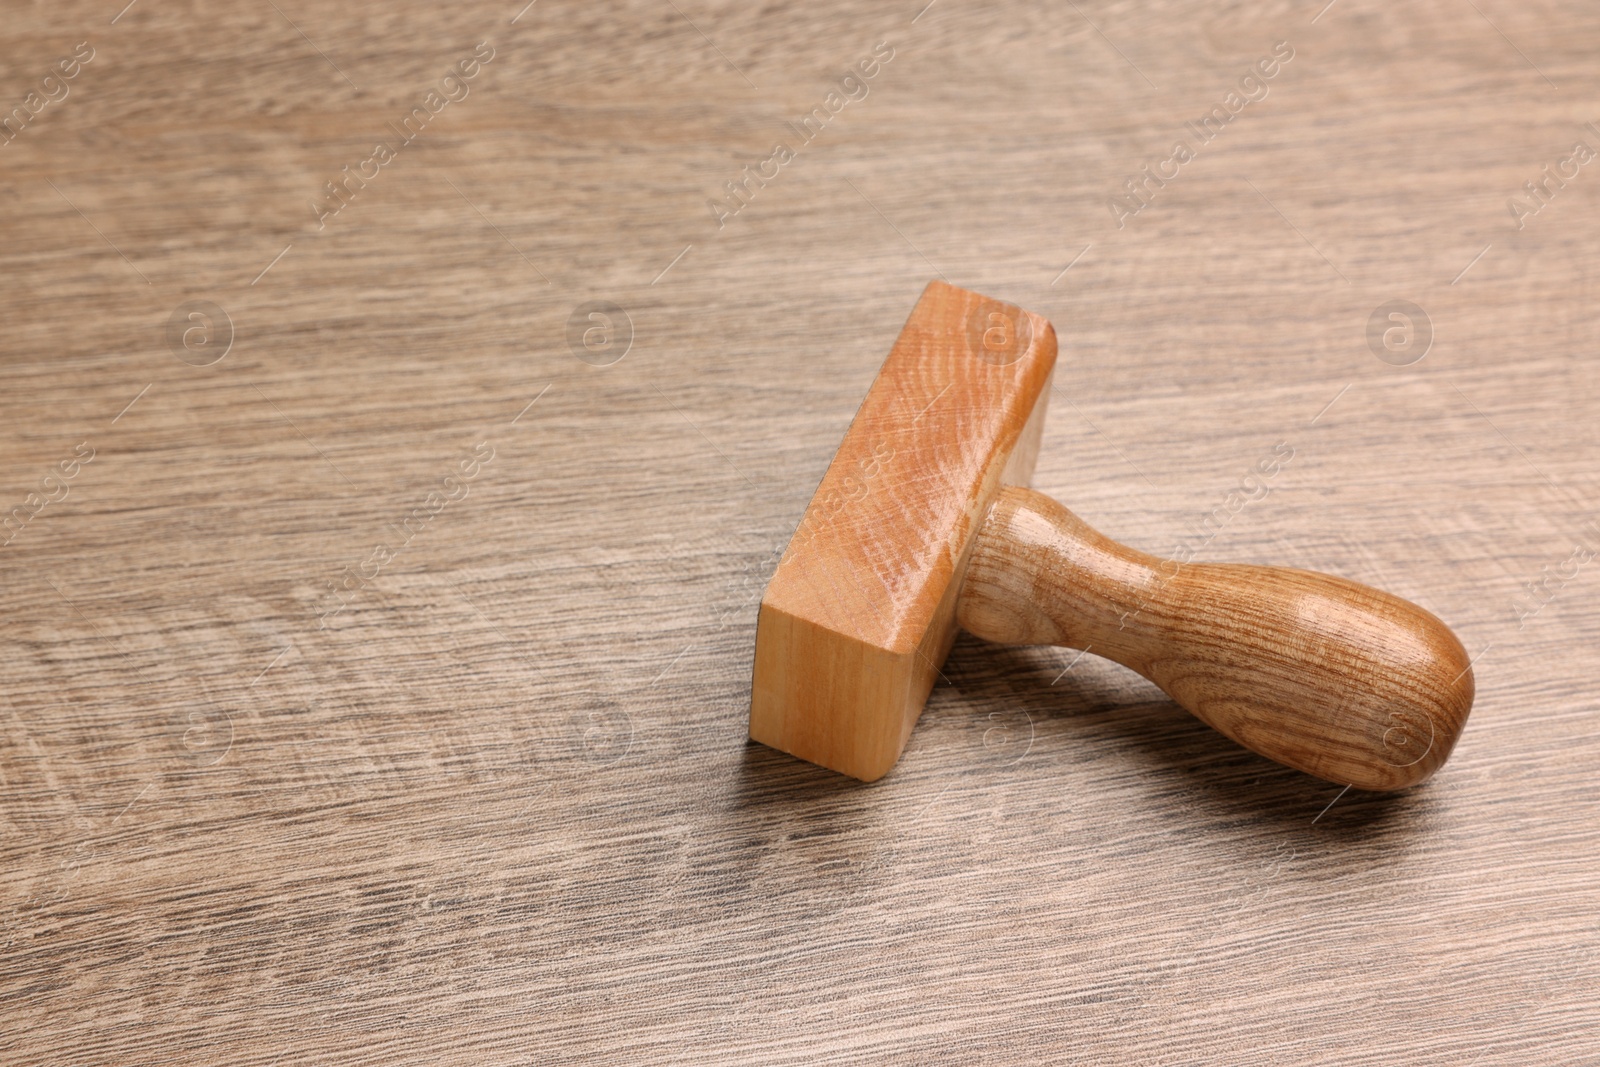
{"x":924,"y":522}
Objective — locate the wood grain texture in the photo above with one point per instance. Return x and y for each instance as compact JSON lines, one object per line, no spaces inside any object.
{"x":1326,"y":675}
{"x":269,"y":796}
{"x":861,"y":611}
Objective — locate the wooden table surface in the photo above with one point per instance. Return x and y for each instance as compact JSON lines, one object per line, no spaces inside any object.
{"x":377,"y":644}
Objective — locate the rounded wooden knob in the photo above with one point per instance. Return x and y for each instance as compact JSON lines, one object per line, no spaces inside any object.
{"x":1326,"y":675}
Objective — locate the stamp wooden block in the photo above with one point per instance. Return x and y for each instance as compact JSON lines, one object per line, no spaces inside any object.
{"x":923,"y":523}
{"x":860,"y":613}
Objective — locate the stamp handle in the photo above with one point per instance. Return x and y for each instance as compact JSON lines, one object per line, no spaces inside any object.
{"x":1320,"y":673}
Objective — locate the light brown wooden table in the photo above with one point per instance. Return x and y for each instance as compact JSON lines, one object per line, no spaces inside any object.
{"x":498,"y":807}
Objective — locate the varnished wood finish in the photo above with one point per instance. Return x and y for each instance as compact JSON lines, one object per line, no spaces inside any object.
{"x":503,"y":809}
{"x":1321,"y":673}
{"x":861,"y":610}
